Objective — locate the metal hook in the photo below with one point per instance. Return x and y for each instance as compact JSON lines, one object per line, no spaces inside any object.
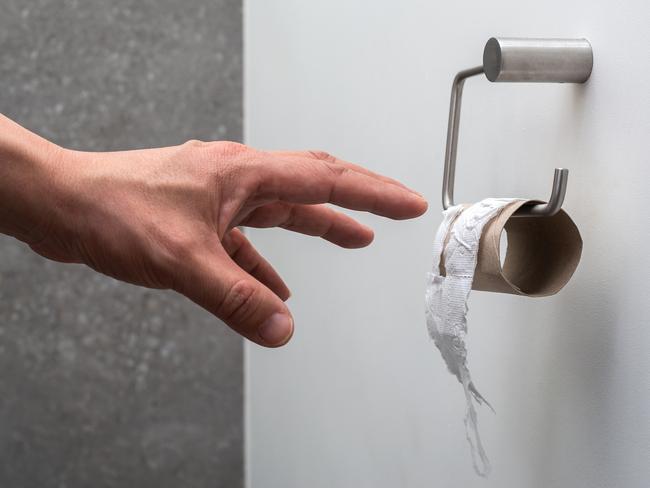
{"x":518,"y":60}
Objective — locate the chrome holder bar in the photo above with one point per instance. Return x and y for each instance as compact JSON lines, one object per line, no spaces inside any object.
{"x":520,"y":60}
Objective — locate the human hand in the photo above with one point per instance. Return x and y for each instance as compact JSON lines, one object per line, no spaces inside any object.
{"x":167,"y":218}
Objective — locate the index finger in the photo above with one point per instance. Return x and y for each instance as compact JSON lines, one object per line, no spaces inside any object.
{"x":309,"y":180}
{"x":329,"y":158}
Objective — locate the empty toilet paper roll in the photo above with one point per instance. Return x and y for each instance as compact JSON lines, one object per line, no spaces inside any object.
{"x":542,"y":255}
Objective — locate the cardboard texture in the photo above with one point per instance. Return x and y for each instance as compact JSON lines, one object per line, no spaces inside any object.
{"x":542,"y":254}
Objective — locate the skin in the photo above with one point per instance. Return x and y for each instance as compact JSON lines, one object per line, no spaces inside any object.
{"x":167,"y":218}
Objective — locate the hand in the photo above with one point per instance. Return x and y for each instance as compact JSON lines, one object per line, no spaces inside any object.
{"x":167,"y":218}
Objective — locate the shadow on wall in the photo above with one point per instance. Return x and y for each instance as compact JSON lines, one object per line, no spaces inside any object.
{"x":579,"y":401}
{"x":579,"y":408}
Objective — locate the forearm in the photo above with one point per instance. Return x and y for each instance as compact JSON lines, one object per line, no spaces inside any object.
{"x":28,"y":179}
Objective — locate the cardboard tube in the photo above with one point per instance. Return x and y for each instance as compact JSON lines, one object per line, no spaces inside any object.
{"x":543,"y":253}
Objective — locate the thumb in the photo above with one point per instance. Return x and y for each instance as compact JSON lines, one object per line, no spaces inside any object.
{"x":217,"y":284}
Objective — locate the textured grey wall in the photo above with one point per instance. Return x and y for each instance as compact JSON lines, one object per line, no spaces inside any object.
{"x":101,"y":383}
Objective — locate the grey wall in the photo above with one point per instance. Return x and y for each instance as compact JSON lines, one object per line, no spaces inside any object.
{"x":102,"y":383}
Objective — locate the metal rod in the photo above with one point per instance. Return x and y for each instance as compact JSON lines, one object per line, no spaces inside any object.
{"x":452,"y":134}
{"x":515,"y":59}
{"x":555,"y":201}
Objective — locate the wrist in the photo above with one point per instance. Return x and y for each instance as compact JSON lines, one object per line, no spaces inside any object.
{"x":31,"y":182}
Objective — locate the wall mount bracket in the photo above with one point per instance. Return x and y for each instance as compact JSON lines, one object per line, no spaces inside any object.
{"x":520,"y":60}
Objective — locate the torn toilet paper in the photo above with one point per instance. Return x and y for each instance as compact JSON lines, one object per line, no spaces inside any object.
{"x":456,"y":244}
{"x":542,"y":255}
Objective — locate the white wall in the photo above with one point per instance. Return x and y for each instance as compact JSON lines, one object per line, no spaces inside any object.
{"x":360,"y":398}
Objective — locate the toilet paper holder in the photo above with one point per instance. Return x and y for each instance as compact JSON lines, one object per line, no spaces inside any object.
{"x":520,"y":60}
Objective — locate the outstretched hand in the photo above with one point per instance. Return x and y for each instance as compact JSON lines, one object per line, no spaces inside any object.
{"x":167,"y":218}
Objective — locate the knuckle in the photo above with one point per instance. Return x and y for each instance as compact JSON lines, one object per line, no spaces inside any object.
{"x":337,"y":169}
{"x":220,"y":161}
{"x":218,"y":148}
{"x":330,"y":162}
{"x":230,"y":148}
{"x":195,"y":143}
{"x":228,"y":157}
{"x":323,"y":156}
{"x":239,"y":303}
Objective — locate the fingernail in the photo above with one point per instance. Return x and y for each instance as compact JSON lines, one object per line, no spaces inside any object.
{"x":276,"y":330}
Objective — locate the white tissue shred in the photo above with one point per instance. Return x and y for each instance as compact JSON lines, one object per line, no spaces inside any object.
{"x":457,"y":240}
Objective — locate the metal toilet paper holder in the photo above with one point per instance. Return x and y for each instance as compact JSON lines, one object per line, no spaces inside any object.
{"x":520,"y":60}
